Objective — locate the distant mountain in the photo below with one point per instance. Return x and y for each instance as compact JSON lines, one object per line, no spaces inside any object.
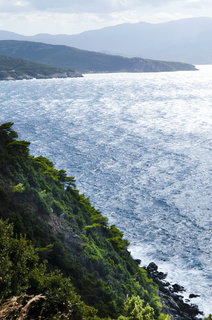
{"x":84,"y":61}
{"x":187,"y":40}
{"x":19,"y":69}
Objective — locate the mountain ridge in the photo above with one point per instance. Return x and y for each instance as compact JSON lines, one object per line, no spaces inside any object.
{"x":185,"y":40}
{"x":84,"y":61}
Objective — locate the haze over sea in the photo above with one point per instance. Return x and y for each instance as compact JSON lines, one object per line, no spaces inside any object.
{"x":140,"y":147}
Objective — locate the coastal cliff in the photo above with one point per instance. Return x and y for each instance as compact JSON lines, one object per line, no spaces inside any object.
{"x":61,"y":258}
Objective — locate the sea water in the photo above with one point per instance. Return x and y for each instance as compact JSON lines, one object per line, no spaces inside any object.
{"x":140,"y":147}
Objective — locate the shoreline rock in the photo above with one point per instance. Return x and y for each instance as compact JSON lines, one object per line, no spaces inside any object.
{"x":178,"y":309}
{"x":17,"y":76}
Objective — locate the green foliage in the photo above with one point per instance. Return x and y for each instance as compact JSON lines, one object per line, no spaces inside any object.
{"x":22,"y":273}
{"x":163,"y":316}
{"x":67,"y":181}
{"x":47,"y":167}
{"x":7,"y":135}
{"x":18,"y":260}
{"x":116,"y":237}
{"x":6,"y":126}
{"x":19,"y":188}
{"x":97,"y":218}
{"x":209,"y":317}
{"x":57,"y":207}
{"x":134,"y":309}
{"x":19,"y":146}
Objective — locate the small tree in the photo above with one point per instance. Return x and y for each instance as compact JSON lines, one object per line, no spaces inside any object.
{"x":19,"y":146}
{"x":18,"y":258}
{"x":67,"y":181}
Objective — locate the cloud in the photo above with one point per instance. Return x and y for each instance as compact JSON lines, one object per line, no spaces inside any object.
{"x":78,"y":6}
{"x":98,"y":6}
{"x":93,"y":6}
{"x":73,"y":6}
{"x":74,"y":16}
{"x":12,"y":5}
{"x":86,"y":5}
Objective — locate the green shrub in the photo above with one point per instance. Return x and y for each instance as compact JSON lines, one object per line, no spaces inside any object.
{"x":134,"y":309}
{"x":22,"y":273}
{"x":19,"y":188}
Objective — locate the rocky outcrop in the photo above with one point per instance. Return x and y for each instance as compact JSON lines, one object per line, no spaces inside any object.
{"x":13,"y":75}
{"x":177,"y":307}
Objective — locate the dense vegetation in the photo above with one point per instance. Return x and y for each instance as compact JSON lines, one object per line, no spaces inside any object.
{"x":60,"y":259}
{"x":84,"y":61}
{"x":15,"y":68}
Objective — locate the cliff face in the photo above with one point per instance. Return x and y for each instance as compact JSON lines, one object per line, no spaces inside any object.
{"x":68,"y":234}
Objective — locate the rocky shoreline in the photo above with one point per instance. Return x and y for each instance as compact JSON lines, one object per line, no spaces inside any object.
{"x":171,"y":299}
{"x":13,"y":75}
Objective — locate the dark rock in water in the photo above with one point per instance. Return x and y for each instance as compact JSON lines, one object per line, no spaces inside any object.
{"x":178,"y":288}
{"x":162,"y":275}
{"x":138,"y":261}
{"x":193,"y":296}
{"x":152,"y":267}
{"x":178,"y":309}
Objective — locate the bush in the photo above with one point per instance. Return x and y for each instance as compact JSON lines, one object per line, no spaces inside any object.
{"x":134,"y":309}
{"x":19,"y":188}
{"x":22,"y":273}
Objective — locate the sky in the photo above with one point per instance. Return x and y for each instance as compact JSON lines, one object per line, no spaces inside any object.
{"x":30,"y":17}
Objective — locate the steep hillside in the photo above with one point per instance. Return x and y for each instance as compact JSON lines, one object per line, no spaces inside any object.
{"x":186,"y":40}
{"x":73,"y":236}
{"x":61,"y":259}
{"x":84,"y":61}
{"x":18,"y":69}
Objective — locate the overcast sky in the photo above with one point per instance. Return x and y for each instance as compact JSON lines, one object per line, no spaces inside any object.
{"x":31,"y":17}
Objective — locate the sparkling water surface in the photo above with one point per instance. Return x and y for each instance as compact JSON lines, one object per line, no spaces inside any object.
{"x":140,"y":147}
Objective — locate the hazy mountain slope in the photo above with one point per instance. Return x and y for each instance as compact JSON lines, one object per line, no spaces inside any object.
{"x":18,"y":69}
{"x":183,"y":40}
{"x":84,"y":61}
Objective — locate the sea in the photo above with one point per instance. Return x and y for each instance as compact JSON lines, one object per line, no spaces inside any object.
{"x":140,"y":148}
